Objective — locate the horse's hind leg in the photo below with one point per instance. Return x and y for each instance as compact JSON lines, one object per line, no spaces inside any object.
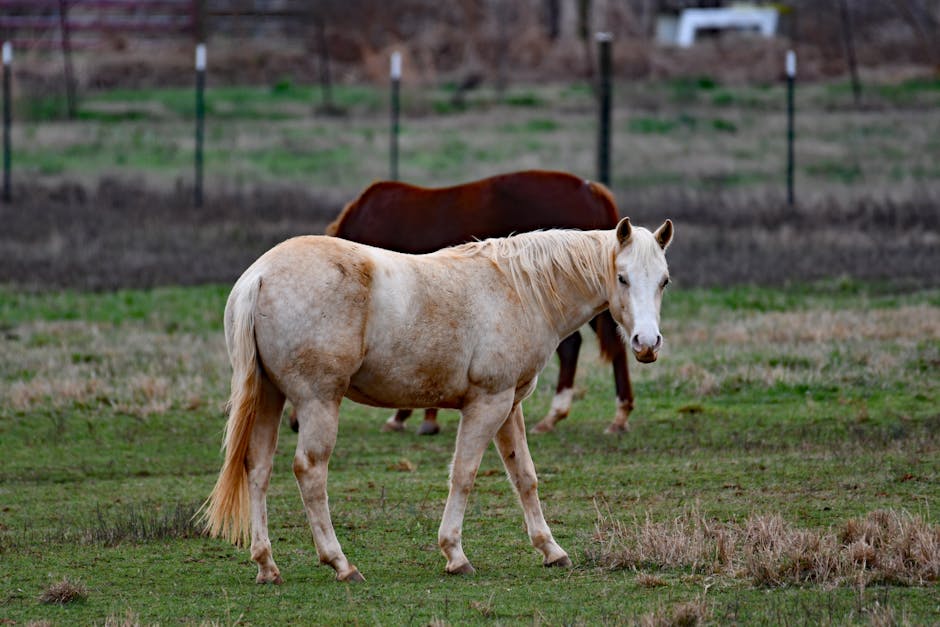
{"x":429,"y":426}
{"x":258,"y":462}
{"x":564,"y":392}
{"x":397,"y":421}
{"x":513,"y":448}
{"x":319,"y":421}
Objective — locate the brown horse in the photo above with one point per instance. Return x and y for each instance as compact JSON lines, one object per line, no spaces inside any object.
{"x":417,"y":220}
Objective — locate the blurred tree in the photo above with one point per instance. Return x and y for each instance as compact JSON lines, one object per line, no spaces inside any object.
{"x":553,"y":18}
{"x":924,"y":17}
{"x":848,"y":42}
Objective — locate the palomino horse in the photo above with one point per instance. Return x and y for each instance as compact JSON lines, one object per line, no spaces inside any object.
{"x":411,"y":219}
{"x":319,"y":318}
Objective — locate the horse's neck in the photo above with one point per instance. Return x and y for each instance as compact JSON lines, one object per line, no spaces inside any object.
{"x":570,"y":288}
{"x":579,"y":309}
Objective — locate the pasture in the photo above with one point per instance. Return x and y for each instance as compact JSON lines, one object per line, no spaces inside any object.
{"x":812,"y":398}
{"x":816,"y":402}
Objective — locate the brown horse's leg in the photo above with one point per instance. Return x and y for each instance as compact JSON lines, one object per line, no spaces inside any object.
{"x":429,"y":426}
{"x":479,"y":422}
{"x":397,"y":421}
{"x":318,"y":425}
{"x":612,"y":347}
{"x":624,"y":393}
{"x":513,"y":448}
{"x":564,"y":391}
{"x":258,"y":462}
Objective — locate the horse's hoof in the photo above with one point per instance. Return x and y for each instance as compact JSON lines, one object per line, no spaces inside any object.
{"x":615,"y":429}
{"x":429,"y":428}
{"x":393,"y":426}
{"x":464,"y":569}
{"x":353,"y":576}
{"x":266,"y":579}
{"x":542,"y":427}
{"x":562,"y":562}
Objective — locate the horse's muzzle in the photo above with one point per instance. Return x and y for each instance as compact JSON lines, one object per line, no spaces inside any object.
{"x":646,"y":353}
{"x":646,"y":356}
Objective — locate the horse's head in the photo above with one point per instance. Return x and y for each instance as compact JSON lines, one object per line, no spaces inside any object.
{"x":637,"y":289}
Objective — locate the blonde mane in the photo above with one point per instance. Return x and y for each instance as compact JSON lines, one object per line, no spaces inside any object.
{"x":536,"y":263}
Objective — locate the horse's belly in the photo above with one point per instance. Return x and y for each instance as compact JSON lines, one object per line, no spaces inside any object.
{"x":421,"y":387}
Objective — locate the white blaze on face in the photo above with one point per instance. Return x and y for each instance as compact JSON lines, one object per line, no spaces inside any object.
{"x":646,"y":294}
{"x":642,"y":275}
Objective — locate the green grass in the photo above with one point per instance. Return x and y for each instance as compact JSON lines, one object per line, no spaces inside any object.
{"x":692,"y":131}
{"x":817,"y":402}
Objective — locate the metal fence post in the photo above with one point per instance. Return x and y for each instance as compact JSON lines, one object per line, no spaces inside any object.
{"x":604,"y":96}
{"x":7,"y":118}
{"x":791,"y":79}
{"x":395,"y":73}
{"x":200,"y":119}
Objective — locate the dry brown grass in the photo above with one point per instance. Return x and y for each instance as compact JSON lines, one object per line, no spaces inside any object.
{"x":130,"y":619}
{"x":129,"y":369}
{"x":814,"y":347}
{"x":64,"y":592}
{"x":648,"y":580}
{"x":685,"y":614}
{"x":885,"y":546}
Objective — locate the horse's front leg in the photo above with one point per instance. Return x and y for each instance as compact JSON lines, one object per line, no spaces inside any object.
{"x":479,"y":422}
{"x":319,"y":421}
{"x":513,"y":448}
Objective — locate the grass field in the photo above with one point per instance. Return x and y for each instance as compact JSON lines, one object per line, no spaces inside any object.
{"x":815,"y":402}
{"x":699,"y":134}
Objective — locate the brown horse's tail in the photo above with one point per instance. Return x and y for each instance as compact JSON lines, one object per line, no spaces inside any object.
{"x":608,"y":337}
{"x":226,"y":512}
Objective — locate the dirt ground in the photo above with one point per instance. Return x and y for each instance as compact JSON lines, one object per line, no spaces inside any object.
{"x":122,"y":235}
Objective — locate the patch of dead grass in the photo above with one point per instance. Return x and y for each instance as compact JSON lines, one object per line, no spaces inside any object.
{"x":886,"y":546}
{"x":648,"y":580}
{"x":130,"y":619}
{"x":812,"y":347}
{"x":129,"y":369}
{"x":64,"y":592}
{"x":685,"y":614}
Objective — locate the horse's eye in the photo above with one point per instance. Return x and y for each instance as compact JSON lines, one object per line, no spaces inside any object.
{"x":622,"y":280}
{"x":664,"y":283}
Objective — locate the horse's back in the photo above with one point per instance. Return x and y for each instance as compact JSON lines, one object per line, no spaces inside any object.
{"x":412,"y":219}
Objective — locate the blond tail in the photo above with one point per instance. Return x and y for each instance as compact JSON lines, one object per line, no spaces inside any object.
{"x":226,"y":512}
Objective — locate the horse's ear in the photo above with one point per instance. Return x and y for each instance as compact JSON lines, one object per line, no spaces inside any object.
{"x":624,"y":231}
{"x":663,"y":234}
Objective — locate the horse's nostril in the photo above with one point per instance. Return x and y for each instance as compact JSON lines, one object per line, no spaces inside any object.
{"x":659,"y":342}
{"x":635,"y":342}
